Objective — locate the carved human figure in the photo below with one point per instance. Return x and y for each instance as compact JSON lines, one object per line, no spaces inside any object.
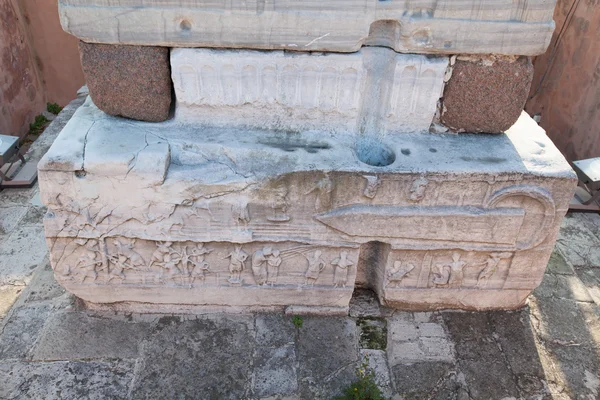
{"x":417,"y":189}
{"x":323,"y":189}
{"x":279,"y":204}
{"x":259,"y":264}
{"x":342,"y":267}
{"x":162,"y":248}
{"x":398,"y":272}
{"x":237,"y":258}
{"x":89,"y":263}
{"x":451,"y":274}
{"x":273,"y":263}
{"x":127,"y":250}
{"x":371,"y":187}
{"x":490,"y":266}
{"x":195,"y":260}
{"x":315,"y":266}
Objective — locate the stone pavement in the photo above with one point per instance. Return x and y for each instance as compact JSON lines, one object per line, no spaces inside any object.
{"x":51,"y":347}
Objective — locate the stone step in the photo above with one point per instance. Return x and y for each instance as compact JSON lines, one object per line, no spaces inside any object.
{"x":425,"y":26}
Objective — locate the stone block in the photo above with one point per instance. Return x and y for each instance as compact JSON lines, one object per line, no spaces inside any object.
{"x":447,"y":26}
{"x":128,"y":81}
{"x":486,"y":95}
{"x":179,"y":214}
{"x":375,"y":90}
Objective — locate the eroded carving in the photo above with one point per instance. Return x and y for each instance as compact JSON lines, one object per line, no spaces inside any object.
{"x":398,"y":272}
{"x":315,"y":266}
{"x":450,"y":274}
{"x":371,"y":186}
{"x":342,"y":266}
{"x":490,"y":268}
{"x":237,"y":259}
{"x":417,"y":189}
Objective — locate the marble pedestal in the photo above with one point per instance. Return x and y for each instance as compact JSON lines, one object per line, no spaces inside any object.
{"x":169,"y":216}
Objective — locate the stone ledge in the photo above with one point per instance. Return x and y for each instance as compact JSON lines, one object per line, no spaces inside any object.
{"x":442,"y":27}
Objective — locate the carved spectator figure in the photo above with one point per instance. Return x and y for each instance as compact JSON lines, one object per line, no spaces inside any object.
{"x":315,"y":266}
{"x":342,"y":265}
{"x":237,"y":258}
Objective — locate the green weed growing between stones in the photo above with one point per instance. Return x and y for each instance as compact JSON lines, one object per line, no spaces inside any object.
{"x":298,"y":321}
{"x":364,"y":388}
{"x":53,"y":108}
{"x":38,"y":126}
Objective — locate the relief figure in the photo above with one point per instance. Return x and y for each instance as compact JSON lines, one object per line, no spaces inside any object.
{"x":490,"y":266}
{"x":194,"y":266}
{"x":260,"y":264}
{"x":342,"y":266}
{"x":451,"y":274}
{"x":315,"y":266}
{"x":237,"y":258}
{"x":398,"y":272}
{"x":89,"y":263}
{"x":273,"y":263}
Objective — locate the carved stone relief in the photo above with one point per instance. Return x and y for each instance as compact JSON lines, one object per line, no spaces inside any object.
{"x":190,"y":265}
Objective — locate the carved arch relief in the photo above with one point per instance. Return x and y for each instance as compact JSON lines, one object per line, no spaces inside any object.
{"x":542,"y":197}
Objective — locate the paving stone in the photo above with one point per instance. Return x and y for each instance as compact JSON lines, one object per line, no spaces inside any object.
{"x":274,"y":371}
{"x":579,"y":245}
{"x":418,"y":340}
{"x":573,"y":367}
{"x":17,"y":197}
{"x":9,"y":218}
{"x":590,"y":277}
{"x":77,"y":335}
{"x":8,"y":295}
{"x":479,"y":357}
{"x":560,"y":322}
{"x":376,"y":362}
{"x":558,"y":265}
{"x":65,"y":380}
{"x":21,"y":253}
{"x":22,"y":330}
{"x":43,"y":286}
{"x":327,"y":356}
{"x":563,"y":287}
{"x":512,"y":330}
{"x":274,"y":330}
{"x":201,"y":358}
{"x":486,"y":96}
{"x":423,"y":379}
{"x":34,"y":215}
{"x":128,"y":81}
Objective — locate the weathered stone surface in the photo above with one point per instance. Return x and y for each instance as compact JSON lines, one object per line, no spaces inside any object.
{"x":94,"y":380}
{"x":181,"y":215}
{"x":88,"y":336}
{"x":375,"y":90}
{"x":22,"y":330}
{"x":22,"y":251}
{"x":466,"y":26}
{"x":328,"y":356}
{"x":202,"y":358}
{"x":128,"y":81}
{"x":486,"y":95}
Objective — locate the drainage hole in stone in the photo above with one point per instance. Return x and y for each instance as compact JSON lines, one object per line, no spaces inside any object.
{"x":373,"y":152}
{"x":433,"y":150}
{"x":185,"y":25}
